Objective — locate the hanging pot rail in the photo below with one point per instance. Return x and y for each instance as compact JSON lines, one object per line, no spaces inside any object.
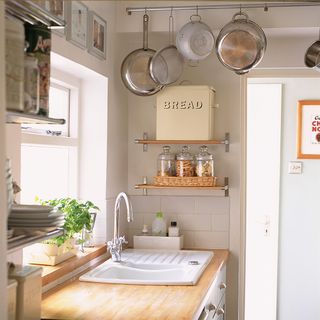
{"x":30,"y":12}
{"x":265,"y":6}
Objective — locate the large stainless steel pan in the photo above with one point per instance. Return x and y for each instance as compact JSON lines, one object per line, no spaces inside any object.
{"x":135,"y":72}
{"x":241,"y":44}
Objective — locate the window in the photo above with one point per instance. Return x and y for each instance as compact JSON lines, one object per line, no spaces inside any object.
{"x":59,"y":99}
{"x":49,"y":152}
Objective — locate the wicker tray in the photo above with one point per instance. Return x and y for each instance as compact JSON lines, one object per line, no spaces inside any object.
{"x":185,"y":181}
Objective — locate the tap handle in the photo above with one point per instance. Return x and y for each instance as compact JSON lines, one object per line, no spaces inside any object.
{"x":110,"y":245}
{"x":123,"y":240}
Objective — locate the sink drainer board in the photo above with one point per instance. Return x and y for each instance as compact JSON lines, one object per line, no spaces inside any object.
{"x":152,"y":267}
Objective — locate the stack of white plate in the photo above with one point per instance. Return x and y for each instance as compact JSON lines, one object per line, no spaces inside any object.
{"x":31,"y":218}
{"x":9,"y":182}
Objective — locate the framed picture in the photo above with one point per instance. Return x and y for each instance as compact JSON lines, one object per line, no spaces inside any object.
{"x":57,"y":8}
{"x":97,"y":35}
{"x":308,"y":133}
{"x":76,"y":16}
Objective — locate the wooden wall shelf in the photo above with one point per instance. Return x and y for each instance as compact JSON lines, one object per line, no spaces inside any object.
{"x":153,"y":186}
{"x":225,"y":187}
{"x":141,"y":141}
{"x":145,"y":142}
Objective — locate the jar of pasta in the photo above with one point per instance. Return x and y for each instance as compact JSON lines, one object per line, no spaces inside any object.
{"x":185,"y":163}
{"x":166,"y":165}
{"x":204,"y":163}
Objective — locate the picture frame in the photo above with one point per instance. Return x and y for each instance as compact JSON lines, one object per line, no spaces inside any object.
{"x":308,"y":129}
{"x":77,"y":23}
{"x":57,"y":8}
{"x":97,"y":35}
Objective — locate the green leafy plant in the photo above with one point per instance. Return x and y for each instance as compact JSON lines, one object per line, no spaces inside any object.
{"x":77,"y":216}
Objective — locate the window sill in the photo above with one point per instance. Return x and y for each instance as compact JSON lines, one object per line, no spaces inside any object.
{"x":32,"y":138}
{"x":52,"y":274}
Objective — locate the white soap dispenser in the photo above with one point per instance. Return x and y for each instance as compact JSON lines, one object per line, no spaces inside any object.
{"x":173,"y":229}
{"x":159,"y":227}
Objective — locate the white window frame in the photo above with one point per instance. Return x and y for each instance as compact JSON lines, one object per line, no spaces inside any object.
{"x":63,"y":80}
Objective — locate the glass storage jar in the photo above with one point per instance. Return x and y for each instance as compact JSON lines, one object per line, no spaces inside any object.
{"x":166,"y":165}
{"x":204,"y":163}
{"x":185,"y":163}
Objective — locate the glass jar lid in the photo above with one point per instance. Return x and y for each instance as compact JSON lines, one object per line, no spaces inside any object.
{"x":166,"y":155}
{"x":204,"y":154}
{"x":185,"y":154}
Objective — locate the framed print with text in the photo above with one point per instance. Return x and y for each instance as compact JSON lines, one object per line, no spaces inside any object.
{"x":97,"y":35}
{"x":308,"y":129}
{"x":77,"y":23}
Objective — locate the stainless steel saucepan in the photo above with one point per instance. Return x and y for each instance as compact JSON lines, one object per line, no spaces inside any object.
{"x":241,"y":44}
{"x":135,"y":72}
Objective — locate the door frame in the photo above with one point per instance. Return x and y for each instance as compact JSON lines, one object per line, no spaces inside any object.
{"x":258,"y":73}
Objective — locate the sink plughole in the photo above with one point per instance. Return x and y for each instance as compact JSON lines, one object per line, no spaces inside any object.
{"x":152,"y":267}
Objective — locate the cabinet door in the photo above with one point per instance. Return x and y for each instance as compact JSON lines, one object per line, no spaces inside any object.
{"x":220,"y":312}
{"x":216,"y":298}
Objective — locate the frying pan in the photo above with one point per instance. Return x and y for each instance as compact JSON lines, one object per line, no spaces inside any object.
{"x":241,"y":44}
{"x":135,"y":68}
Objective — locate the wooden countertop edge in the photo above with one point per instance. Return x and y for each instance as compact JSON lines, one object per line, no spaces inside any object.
{"x":52,"y":273}
{"x":184,"y":300}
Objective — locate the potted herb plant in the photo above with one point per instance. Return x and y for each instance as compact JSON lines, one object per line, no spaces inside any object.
{"x":78,"y":217}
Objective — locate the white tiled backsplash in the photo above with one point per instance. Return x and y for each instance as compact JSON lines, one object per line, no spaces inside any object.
{"x":203,"y":220}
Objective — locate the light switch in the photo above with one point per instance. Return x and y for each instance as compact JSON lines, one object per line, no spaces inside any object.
{"x":295,"y":167}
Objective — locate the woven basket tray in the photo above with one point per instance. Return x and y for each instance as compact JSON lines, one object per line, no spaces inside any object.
{"x":185,"y":181}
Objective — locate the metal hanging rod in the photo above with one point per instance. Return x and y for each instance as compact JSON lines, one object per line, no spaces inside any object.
{"x":265,"y":6}
{"x":30,"y":12}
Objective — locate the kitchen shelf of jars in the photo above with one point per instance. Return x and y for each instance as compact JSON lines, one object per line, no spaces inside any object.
{"x":185,"y":170}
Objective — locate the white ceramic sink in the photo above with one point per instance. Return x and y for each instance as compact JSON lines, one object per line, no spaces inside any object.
{"x":152,"y":267}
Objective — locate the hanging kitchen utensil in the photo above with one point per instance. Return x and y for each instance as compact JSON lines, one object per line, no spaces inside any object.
{"x":241,"y":44}
{"x":195,"y":40}
{"x":166,"y":66}
{"x":312,"y":55}
{"x":135,"y":68}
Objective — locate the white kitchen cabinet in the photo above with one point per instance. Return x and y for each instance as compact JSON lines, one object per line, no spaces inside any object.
{"x":213,"y":306}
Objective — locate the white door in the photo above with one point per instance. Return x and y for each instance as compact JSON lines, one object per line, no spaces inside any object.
{"x":262,"y":199}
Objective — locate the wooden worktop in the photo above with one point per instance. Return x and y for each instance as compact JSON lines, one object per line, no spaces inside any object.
{"x":93,"y":301}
